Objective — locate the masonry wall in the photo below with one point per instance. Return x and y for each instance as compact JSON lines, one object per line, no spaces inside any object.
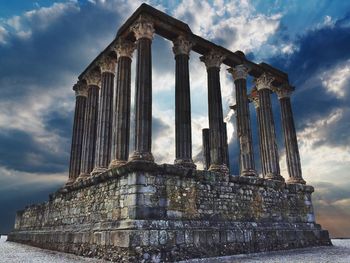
{"x":131,"y":212}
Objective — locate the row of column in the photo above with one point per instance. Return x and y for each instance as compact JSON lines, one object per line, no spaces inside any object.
{"x":266,"y":128}
{"x":101,"y":133}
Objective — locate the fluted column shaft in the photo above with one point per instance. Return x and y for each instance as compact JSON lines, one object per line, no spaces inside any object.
{"x":90,"y":130}
{"x":225,"y":145}
{"x":244,"y":130}
{"x":104,"y":123}
{"x":144,"y":31}
{"x":290,"y":141}
{"x":206,"y":148}
{"x":77,"y":136}
{"x":255,"y":100}
{"x":122,"y":109}
{"x":216,"y":123}
{"x":183,"y":138}
{"x":269,"y":143}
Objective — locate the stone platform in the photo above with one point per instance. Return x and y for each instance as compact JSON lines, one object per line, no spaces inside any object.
{"x":155,"y":213}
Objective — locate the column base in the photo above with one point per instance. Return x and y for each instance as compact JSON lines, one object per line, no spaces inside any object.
{"x":296,"y":181}
{"x":142,"y":156}
{"x":70,"y":182}
{"x":276,"y":177}
{"x":249,"y":173}
{"x":116,"y":163}
{"x":219,"y":168}
{"x":83,"y":176}
{"x":98,"y":170}
{"x":186,"y":163}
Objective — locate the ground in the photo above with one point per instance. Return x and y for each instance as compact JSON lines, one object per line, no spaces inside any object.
{"x":340,"y":252}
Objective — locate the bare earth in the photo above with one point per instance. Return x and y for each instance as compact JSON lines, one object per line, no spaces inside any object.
{"x":340,"y":252}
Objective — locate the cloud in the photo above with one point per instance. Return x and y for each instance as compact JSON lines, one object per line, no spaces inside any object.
{"x":237,"y":25}
{"x":336,"y":80}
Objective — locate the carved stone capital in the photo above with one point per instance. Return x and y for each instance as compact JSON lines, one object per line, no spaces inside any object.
{"x":143,"y":28}
{"x":212,"y":59}
{"x":107,"y":64}
{"x":93,"y":78}
{"x":125,"y":48}
{"x":181,"y":45}
{"x":239,"y":72}
{"x":284,"y":91}
{"x":264,"y":81}
{"x":80,"y":89}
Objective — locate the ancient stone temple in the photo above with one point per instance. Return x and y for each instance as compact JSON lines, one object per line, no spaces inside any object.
{"x":121,"y":205}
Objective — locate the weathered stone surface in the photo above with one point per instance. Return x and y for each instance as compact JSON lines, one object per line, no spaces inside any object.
{"x":128,"y":215}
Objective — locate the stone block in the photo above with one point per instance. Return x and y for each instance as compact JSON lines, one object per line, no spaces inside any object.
{"x":153,"y":237}
{"x":120,"y":238}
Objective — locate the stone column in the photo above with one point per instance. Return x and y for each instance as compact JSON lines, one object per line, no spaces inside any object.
{"x":239,"y":74}
{"x":183,"y":139}
{"x":290,"y":137}
{"x":78,"y":129}
{"x":225,"y":144}
{"x":105,"y":115}
{"x":254,"y":97}
{"x":93,"y":80}
{"x":206,"y":148}
{"x":122,"y":104}
{"x":144,"y":31}
{"x":213,"y":61}
{"x":269,"y":143}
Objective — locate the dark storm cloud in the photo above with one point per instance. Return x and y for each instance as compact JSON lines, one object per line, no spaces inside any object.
{"x":320,"y":51}
{"x":49,"y":60}
{"x":48,"y":57}
{"x":20,"y":151}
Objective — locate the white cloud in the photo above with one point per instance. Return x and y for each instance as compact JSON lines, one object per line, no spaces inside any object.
{"x":38,"y":19}
{"x":3,"y":35}
{"x":237,"y":24}
{"x":29,"y":116}
{"x":325,"y":163}
{"x":15,"y":180}
{"x":336,"y":80}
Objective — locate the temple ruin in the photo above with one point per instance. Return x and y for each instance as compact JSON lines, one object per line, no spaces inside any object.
{"x":122,"y":206}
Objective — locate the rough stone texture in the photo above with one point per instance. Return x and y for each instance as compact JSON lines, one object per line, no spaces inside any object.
{"x":158,"y":213}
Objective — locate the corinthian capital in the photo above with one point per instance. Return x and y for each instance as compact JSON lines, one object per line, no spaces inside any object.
{"x":239,"y":72}
{"x":284,"y":91}
{"x":264,"y":81}
{"x":93,"y":78}
{"x":80,"y":89}
{"x":182,"y":45}
{"x":107,"y":64}
{"x":212,"y":59}
{"x":143,"y":28}
{"x":125,"y":48}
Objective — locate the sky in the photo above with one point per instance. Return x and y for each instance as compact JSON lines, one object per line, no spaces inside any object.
{"x":45,"y":45}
